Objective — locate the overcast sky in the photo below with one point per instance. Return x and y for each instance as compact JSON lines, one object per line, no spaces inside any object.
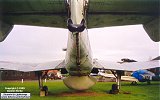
{"x":41,"y":44}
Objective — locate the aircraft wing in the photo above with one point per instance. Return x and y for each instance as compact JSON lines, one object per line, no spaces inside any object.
{"x":103,"y":13}
{"x":100,"y":13}
{"x":57,"y":64}
{"x":49,"y":13}
{"x":101,"y":64}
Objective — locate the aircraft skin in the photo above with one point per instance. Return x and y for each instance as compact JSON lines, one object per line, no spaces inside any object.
{"x":100,"y":13}
{"x":123,"y":78}
{"x":139,"y":75}
{"x":78,"y":60}
{"x":78,"y":57}
{"x":143,"y":75}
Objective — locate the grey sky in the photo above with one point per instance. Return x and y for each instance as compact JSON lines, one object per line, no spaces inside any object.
{"x":41,"y":44}
{"x":123,"y":42}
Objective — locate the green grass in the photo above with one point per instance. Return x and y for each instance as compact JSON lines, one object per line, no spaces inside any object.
{"x":58,"y":91}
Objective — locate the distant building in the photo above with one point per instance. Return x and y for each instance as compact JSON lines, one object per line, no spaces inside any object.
{"x":17,"y":75}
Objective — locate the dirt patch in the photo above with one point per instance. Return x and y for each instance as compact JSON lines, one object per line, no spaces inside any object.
{"x":77,"y":93}
{"x":84,"y":93}
{"x":126,"y":92}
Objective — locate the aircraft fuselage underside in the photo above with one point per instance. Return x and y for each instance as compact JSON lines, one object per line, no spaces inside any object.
{"x":78,"y":56}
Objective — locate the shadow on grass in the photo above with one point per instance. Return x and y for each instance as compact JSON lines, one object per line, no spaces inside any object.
{"x":142,"y":84}
{"x":87,"y":93}
{"x":73,"y":93}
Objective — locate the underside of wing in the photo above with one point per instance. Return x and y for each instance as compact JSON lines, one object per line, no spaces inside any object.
{"x":57,"y":64}
{"x":49,"y":13}
{"x":34,"y":12}
{"x":126,"y":66}
{"x":103,"y":13}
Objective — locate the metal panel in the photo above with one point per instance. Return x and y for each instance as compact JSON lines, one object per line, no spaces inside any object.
{"x":126,"y":66}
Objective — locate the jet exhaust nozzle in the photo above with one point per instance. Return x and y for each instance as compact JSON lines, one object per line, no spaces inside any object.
{"x":76,"y":27}
{"x":79,"y":83}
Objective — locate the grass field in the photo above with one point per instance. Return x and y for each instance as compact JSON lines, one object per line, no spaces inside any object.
{"x":58,"y":91}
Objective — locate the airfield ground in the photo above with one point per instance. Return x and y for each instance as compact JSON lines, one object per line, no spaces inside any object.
{"x":58,"y":91}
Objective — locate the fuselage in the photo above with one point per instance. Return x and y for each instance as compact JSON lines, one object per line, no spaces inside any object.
{"x":78,"y":56}
{"x":78,"y":59}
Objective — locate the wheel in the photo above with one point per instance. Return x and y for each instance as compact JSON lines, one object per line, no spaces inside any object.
{"x":45,"y":88}
{"x":114,"y":89}
{"x":134,"y":83}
